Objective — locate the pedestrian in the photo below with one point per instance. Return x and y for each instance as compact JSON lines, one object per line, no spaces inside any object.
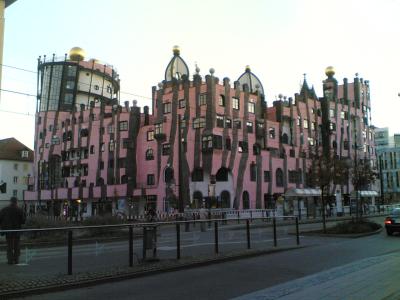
{"x":11,"y":218}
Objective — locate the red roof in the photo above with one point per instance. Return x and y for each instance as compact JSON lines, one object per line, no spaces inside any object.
{"x":11,"y":149}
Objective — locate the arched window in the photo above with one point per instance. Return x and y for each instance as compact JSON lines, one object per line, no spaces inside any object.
{"x":300,"y":176}
{"x":246,"y":200}
{"x":55,"y":171}
{"x":168,"y":175}
{"x":197,"y":174}
{"x":285,"y":138}
{"x":225,"y":199}
{"x":279,"y":177}
{"x":149,"y":154}
{"x":222,"y":174}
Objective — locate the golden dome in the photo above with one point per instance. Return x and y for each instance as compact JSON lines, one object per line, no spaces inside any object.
{"x":247,"y":68}
{"x":77,"y":53}
{"x":329,"y":71}
{"x":176,"y":50}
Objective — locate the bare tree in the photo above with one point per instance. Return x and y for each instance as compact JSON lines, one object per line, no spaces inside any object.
{"x":324,"y":171}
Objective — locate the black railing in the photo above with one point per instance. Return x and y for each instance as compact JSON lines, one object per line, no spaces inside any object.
{"x":265,"y":222}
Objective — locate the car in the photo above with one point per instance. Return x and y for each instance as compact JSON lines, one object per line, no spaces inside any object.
{"x":392,"y":222}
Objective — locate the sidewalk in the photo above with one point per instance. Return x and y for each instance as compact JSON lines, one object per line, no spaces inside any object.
{"x":371,"y":278}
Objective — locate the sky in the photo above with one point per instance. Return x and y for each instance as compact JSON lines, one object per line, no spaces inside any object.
{"x":280,"y":40}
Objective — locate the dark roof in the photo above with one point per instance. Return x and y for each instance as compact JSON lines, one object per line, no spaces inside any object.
{"x":11,"y":149}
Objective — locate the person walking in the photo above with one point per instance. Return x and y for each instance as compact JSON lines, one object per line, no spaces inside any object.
{"x":11,"y":218}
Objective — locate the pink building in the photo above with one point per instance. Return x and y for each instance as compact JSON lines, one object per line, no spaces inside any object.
{"x":205,"y":141}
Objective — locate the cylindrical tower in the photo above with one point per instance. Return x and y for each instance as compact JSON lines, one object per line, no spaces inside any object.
{"x":72,"y":81}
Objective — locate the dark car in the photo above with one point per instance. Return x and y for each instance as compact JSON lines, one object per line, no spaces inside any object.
{"x":392,"y":222}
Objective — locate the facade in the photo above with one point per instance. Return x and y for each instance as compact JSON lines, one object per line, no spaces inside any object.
{"x":16,"y":169}
{"x":207,"y":142}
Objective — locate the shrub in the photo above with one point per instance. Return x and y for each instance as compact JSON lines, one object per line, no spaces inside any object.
{"x":103,"y":220}
{"x":352,"y":227}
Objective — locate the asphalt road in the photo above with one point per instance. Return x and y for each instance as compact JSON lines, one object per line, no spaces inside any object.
{"x":232,"y":279}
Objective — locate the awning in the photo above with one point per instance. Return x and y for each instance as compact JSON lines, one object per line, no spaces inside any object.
{"x":302,"y":192}
{"x":366,"y":193}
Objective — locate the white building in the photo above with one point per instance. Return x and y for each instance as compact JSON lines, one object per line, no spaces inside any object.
{"x":16,"y":168}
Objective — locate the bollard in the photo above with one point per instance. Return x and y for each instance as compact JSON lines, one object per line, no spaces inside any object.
{"x":216,"y":237}
{"x":248,"y":233}
{"x":274,"y":226}
{"x":178,"y":241}
{"x":69,"y":252}
{"x":130,"y":246}
{"x":297,"y":232}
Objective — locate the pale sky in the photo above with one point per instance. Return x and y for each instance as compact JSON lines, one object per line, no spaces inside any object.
{"x":279,"y":39}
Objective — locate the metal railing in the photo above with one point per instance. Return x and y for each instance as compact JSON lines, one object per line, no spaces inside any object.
{"x":268,"y":222}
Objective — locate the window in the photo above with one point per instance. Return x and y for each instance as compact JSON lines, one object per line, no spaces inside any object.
{"x":96,"y":87}
{"x":298,"y":121}
{"x":346,"y":145}
{"x":123,"y":125}
{"x":15,"y":193}
{"x":149,"y":154}
{"x":111,"y":163}
{"x":256,"y":149}
{"x":24,"y":154}
{"x":251,"y":106}
{"x":271,"y":133}
{"x":166,"y":149}
{"x":220,"y":121}
{"x":292,"y":153}
{"x":150,"y":135}
{"x":217,"y":142}
{"x":110,"y":128}
{"x":331,"y":113}
{"x":221,"y":100}
{"x":235,"y":103}
{"x":228,"y":123}
{"x":285,"y":138}
{"x":342,"y":114}
{"x":158,"y":129}
{"x":228,"y":144}
{"x":167,"y":107}
{"x":150,"y":179}
{"x":305,"y":123}
{"x":279,"y":177}
{"x":101,"y":166}
{"x":238,"y":124}
{"x":111,"y":146}
{"x":199,"y":123}
{"x":249,"y":126}
{"x":301,"y":138}
{"x":182,"y":103}
{"x":243,"y":147}
{"x":91,"y":149}
{"x":102,"y":147}
{"x":332,"y":126}
{"x":202,"y":99}
{"x":267,"y":176}
{"x":206,"y":142}
{"x":313,"y":125}
{"x":292,"y":176}
{"x":15,"y":179}
{"x":16,"y":167}
{"x":311,"y":141}
{"x":253,"y":172}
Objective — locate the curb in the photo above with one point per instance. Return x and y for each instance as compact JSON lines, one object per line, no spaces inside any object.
{"x":176,"y":266}
{"x":350,"y":236}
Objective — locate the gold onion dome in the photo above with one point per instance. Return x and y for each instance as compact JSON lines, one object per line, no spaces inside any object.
{"x":77,"y":53}
{"x":247,"y":69}
{"x":329,"y":71}
{"x":176,"y":50}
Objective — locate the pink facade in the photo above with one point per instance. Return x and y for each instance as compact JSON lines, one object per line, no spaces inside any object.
{"x":206,"y":142}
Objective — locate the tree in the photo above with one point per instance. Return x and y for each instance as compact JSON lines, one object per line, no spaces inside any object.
{"x":324,"y":171}
{"x":362,"y":176}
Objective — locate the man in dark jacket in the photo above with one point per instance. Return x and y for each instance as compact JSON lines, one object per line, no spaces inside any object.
{"x":12,"y":217}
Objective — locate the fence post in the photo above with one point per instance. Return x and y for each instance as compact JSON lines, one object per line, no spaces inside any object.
{"x":216,"y":237}
{"x":251,"y":216}
{"x":130,"y":246}
{"x":178,"y":241}
{"x":238,"y":217}
{"x":69,"y":252}
{"x":144,"y":242}
{"x":274,"y":225}
{"x":248,"y":233}
{"x":297,"y":232}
